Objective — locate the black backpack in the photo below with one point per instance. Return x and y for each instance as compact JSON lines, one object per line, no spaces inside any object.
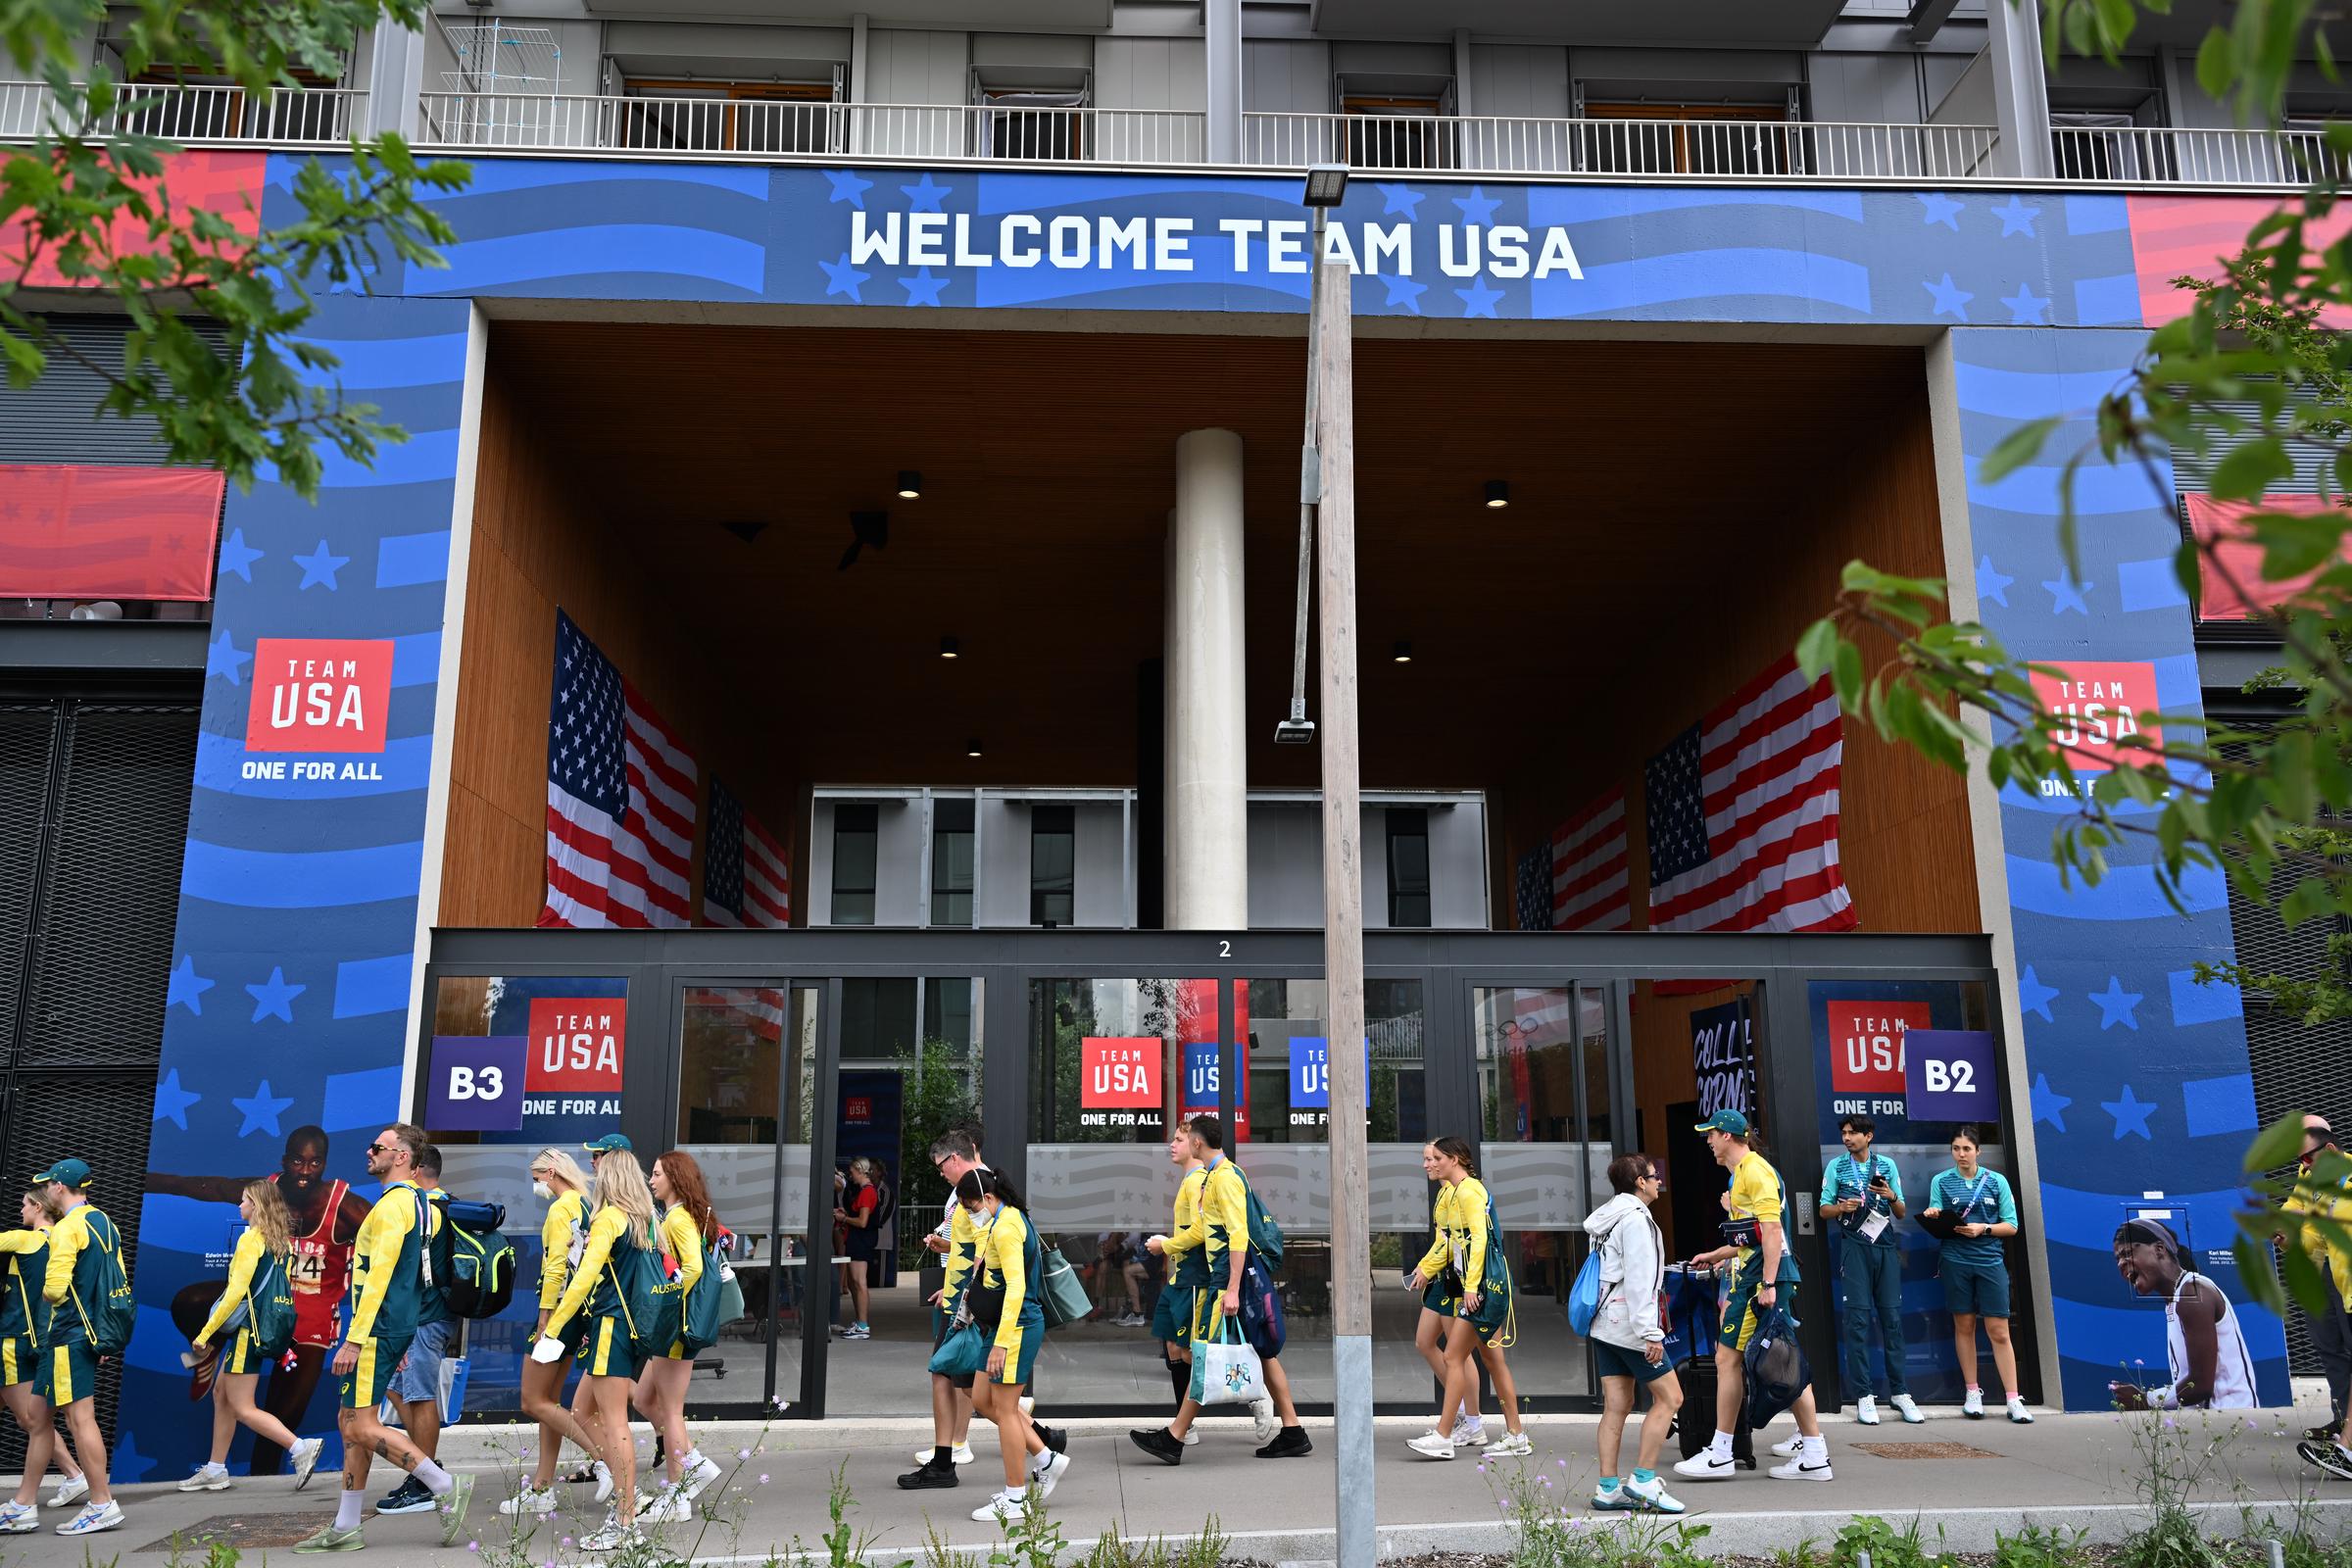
{"x":886,"y":1205}
{"x":472,"y":1261}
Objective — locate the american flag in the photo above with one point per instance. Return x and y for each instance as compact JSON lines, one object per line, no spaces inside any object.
{"x":745,"y":880}
{"x":620,"y":793}
{"x":756,"y":1009}
{"x":1535,"y":888}
{"x":1590,"y":891}
{"x":1744,"y":813}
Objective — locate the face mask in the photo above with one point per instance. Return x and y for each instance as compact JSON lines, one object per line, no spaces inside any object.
{"x":542,"y":1191}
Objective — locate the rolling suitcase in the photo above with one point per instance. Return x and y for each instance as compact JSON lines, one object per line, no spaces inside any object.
{"x":1692,"y":1326}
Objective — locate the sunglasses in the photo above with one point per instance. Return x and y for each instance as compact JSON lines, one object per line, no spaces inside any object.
{"x":381,"y":1148}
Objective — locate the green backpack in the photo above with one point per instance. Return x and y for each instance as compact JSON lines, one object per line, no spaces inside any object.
{"x":109,"y":1319}
{"x":650,"y":1298}
{"x":1265,"y":1236}
{"x":271,"y":1298}
{"x":703,"y":1314}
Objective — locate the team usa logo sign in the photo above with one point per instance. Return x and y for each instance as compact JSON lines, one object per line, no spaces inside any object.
{"x":1118,"y":1078}
{"x":576,"y":1046}
{"x":2100,"y":705}
{"x":1867,"y":1041}
{"x":321,"y":697}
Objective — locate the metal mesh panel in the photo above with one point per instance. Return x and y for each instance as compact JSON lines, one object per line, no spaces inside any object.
{"x":111,"y":893}
{"x":102,"y":1117}
{"x":56,"y":419}
{"x":2297,"y":1067}
{"x":27,"y":734}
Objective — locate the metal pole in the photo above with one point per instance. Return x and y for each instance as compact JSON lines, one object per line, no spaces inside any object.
{"x":1344,"y":920}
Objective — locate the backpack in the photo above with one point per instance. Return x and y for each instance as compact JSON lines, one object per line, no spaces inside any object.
{"x":108,"y":1320}
{"x":886,"y":1205}
{"x":472,"y":1261}
{"x":702,"y":1312}
{"x":1584,"y":1296}
{"x":1265,"y":1236}
{"x":651,"y":1301}
{"x":270,"y":1295}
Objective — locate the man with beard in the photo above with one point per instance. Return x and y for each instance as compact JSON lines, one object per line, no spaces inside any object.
{"x":327,"y":1223}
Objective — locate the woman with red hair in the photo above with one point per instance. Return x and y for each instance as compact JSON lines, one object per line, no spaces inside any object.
{"x":688,"y":1225}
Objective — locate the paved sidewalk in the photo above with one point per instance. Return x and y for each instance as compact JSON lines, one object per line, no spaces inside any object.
{"x":2076,"y":1469}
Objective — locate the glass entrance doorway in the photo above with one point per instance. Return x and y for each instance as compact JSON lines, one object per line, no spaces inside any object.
{"x":1073,"y":1055}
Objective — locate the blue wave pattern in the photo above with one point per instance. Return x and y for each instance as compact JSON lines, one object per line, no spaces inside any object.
{"x":2138,"y":1081}
{"x":297,"y":898}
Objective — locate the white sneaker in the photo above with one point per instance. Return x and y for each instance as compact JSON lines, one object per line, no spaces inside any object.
{"x":1973,"y":1406}
{"x":1707,"y":1465}
{"x":70,"y":1490}
{"x":604,"y":1491}
{"x":1028,"y":1404}
{"x":1269,"y":1424}
{"x":702,"y":1470}
{"x":19,"y":1518}
{"x":1045,"y":1477}
{"x":207,"y":1478}
{"x":1907,"y":1411}
{"x":669,"y":1506}
{"x":961,"y":1454}
{"x":93,"y":1518}
{"x":612,"y":1537}
{"x":1511,"y":1446}
{"x":1432,"y":1445}
{"x":1002,"y":1508}
{"x":305,"y":1460}
{"x":1470,"y":1430}
{"x":1191,"y":1436}
{"x":1866,"y":1410}
{"x":1813,"y":1466}
{"x":530,"y":1499}
{"x":1790,"y":1445}
{"x":2019,"y":1413}
{"x":1651,"y":1496}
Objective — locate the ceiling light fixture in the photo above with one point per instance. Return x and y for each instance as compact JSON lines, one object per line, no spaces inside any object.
{"x":1402,"y":654}
{"x":911,"y":485}
{"x":971,"y":748}
{"x":948,"y":648}
{"x":1499,"y":492}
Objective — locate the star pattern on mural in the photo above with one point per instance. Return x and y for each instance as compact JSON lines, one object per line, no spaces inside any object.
{"x":274,"y":997}
{"x":2017,"y":218}
{"x":1399,"y":199}
{"x":848,"y":187}
{"x":1940,"y":209}
{"x":2131,"y":1114}
{"x":261,"y":1111}
{"x":221,"y":659}
{"x":320,"y":567}
{"x":126,"y":1462}
{"x":1479,"y":300}
{"x":842,"y":277}
{"x":186,"y":986}
{"x":2024,"y":308}
{"x":2035,"y":997}
{"x":1950,"y":299}
{"x":1477,"y":207}
{"x":171,"y":1101}
{"x":922,"y":288}
{"x":927,"y":196}
{"x":2066,"y":594}
{"x":236,"y":555}
{"x":2115,"y":1004}
{"x":1406,"y":292}
{"x":2048,"y":1103}
{"x":1993,"y":584}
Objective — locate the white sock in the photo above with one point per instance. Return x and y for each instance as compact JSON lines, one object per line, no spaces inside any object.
{"x":1720,"y":1447}
{"x":1816,"y":1448}
{"x":347,"y":1510}
{"x":436,"y":1480}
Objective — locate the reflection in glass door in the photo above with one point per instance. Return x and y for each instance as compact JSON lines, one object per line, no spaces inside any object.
{"x":747,"y":1090}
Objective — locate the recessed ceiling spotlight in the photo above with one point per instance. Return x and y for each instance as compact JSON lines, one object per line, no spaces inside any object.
{"x":1499,"y":492}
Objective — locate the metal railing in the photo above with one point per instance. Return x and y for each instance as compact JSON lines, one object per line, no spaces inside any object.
{"x":2168,"y":155}
{"x":686,"y":126}
{"x":290,"y":117}
{"x":1647,"y":149}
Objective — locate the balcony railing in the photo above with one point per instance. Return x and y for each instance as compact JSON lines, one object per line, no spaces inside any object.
{"x":1634,"y":149}
{"x":2163,"y":155}
{"x":291,"y":116}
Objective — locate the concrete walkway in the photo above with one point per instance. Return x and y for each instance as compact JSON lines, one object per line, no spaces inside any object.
{"x":2076,"y":1470}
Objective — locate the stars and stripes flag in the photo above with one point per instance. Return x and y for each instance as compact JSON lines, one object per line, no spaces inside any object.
{"x":745,"y":881}
{"x":757,"y":1010}
{"x":1534,"y":889}
{"x":620,"y":799}
{"x":1744,"y":813}
{"x":1589,"y":887}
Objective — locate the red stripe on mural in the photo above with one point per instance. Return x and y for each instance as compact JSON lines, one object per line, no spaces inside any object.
{"x":2191,"y":236}
{"x":227,"y":184}
{"x":93,"y":531}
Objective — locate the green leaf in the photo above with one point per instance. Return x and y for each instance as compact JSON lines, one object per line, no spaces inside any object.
{"x":1817,"y":649}
{"x":1846,"y":668}
{"x":2255,"y":1270}
{"x":2018,"y":448}
{"x":2246,"y":473}
{"x":2311,"y":900}
{"x":2280,"y":1143}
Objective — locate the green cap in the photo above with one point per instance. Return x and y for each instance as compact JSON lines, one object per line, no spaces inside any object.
{"x":1724,"y":1121}
{"x":610,"y":1144}
{"x":75,"y":1173}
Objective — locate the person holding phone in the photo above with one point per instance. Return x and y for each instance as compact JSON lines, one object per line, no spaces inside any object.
{"x":1863,"y":1192}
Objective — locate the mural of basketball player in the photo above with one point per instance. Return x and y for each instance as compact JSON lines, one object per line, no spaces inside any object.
{"x":327,"y":1223}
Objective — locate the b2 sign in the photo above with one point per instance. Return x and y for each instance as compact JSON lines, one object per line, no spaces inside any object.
{"x":475,"y":1085}
{"x":1947,"y":1075}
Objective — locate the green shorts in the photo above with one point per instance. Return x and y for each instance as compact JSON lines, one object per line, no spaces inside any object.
{"x":363,"y":1388}
{"x":1020,"y":1357}
{"x":241,"y":1355}
{"x":1739,"y":1307}
{"x":1981,"y":1289}
{"x":1616,"y":1361}
{"x":1172,"y":1313}
{"x":20,"y":1359}
{"x":68,"y":1372}
{"x":610,"y":1352}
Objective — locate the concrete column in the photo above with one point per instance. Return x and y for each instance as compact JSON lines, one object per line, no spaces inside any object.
{"x":395,"y":80}
{"x":1221,"y":24}
{"x":2021,"y":92}
{"x":1209,"y":781}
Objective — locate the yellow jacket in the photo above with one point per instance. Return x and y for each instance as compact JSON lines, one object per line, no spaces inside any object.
{"x":1459,"y":1219}
{"x":684,"y":1240}
{"x":2310,"y":1197}
{"x":1192,"y":1231}
{"x":1004,"y":1264}
{"x":241,"y":1267}
{"x":603,"y":1232}
{"x":566,"y":1214}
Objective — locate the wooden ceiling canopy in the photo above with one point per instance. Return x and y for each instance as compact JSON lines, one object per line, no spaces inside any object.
{"x":1648,"y":480}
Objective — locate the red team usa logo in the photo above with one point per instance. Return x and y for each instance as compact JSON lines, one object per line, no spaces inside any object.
{"x":318,"y":694}
{"x":2098,"y":706}
{"x":1866,"y":1044}
{"x":1120,"y":1073}
{"x":576,"y":1044}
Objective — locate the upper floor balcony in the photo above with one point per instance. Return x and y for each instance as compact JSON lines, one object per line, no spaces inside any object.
{"x":717,"y":123}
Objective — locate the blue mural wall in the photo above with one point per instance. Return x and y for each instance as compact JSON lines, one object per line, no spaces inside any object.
{"x":293,"y":956}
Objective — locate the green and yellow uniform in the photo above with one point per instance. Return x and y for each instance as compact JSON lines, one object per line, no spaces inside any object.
{"x":77,"y":1244}
{"x":239,"y":1355}
{"x":559,"y":1233}
{"x":593,"y":1297}
{"x":388,"y":1289}
{"x":1011,"y":1259}
{"x":1224,"y":1223}
{"x":684,"y":1240}
{"x":1462,"y":1220}
{"x":1757,"y":1198}
{"x":28,"y":1255}
{"x":2313,"y":1199}
{"x":1187,"y":1261}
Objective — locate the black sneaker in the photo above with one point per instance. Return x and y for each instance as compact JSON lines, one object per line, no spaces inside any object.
{"x":927,"y":1476}
{"x":1055,"y":1439}
{"x":1289,"y":1443}
{"x":410,"y":1496}
{"x":2330,"y":1457}
{"x":2325,"y":1434}
{"x":1159,"y":1443}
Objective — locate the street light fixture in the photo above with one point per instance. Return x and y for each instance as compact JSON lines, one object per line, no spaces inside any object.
{"x":1326,"y":184}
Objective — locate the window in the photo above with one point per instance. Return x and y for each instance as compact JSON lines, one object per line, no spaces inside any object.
{"x":952,"y":863}
{"x":1036,"y":112}
{"x":742,"y":116}
{"x":2089,"y":145}
{"x":1409,"y":868}
{"x":1398,"y":132}
{"x":1644,"y":138}
{"x":1052,"y":865}
{"x":857,"y":843}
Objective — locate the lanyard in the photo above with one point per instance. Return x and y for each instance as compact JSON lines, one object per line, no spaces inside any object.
{"x":1975,"y":1192}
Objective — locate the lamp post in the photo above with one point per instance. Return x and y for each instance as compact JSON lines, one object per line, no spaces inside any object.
{"x":1327,"y":507}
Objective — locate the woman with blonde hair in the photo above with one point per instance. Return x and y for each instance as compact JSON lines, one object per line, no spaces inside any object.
{"x":557,"y":1178}
{"x":688,"y":1228}
{"x":855,"y":1216}
{"x":594,"y":1309}
{"x":1470,"y":1301}
{"x":256,"y":1271}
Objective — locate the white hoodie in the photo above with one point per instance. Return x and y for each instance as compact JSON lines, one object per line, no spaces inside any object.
{"x":1633,"y":1270}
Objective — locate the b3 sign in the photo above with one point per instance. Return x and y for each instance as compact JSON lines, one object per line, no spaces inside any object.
{"x":475,"y":1085}
{"x":1948,"y":1076}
